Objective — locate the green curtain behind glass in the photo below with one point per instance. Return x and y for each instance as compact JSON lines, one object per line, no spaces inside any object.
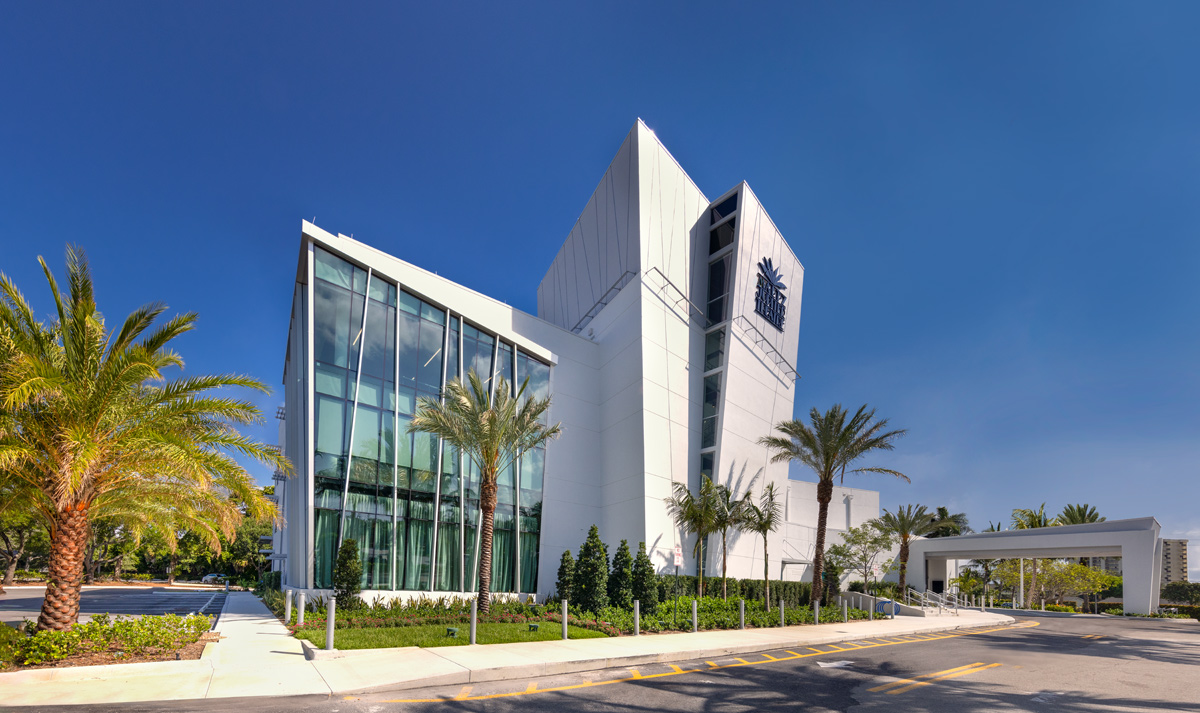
{"x":326,"y":526}
{"x":529,"y":561}
{"x":503,"y":560}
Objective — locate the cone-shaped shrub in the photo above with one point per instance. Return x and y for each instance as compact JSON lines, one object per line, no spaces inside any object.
{"x":566,"y":576}
{"x":590,"y":588}
{"x":620,"y":579}
{"x":645,"y":585}
{"x":347,"y":575}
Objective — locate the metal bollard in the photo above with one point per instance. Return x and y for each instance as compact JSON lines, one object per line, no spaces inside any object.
{"x":474,"y":617}
{"x":330,"y":615}
{"x":227,"y":585}
{"x":845,"y":611}
{"x":816,"y":612}
{"x":300,"y":606}
{"x":565,"y":620}
{"x":741,"y":613}
{"x":782,"y":619}
{"x":287,"y":607}
{"x":637,"y":618}
{"x":695,"y":616}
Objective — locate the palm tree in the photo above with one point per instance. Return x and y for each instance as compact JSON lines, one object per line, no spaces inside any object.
{"x":763,"y":517}
{"x":695,"y":514}
{"x":949,"y":525}
{"x":727,"y":514}
{"x":493,"y":432}
{"x":1026,"y":519}
{"x":1079,"y":515}
{"x":906,"y":523}
{"x":96,"y":431}
{"x":828,"y":445}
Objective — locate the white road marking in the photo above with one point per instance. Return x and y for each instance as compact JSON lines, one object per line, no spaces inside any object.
{"x":835,"y":664}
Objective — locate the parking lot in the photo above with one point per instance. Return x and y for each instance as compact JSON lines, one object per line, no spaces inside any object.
{"x":21,"y":603}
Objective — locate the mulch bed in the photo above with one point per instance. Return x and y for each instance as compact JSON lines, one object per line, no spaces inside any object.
{"x":191,"y":652}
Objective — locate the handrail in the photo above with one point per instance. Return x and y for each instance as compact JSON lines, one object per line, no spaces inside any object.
{"x":682,"y":297}
{"x":601,"y":303}
{"x":760,"y":340}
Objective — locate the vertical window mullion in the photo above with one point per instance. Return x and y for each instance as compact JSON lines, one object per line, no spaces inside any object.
{"x":437,"y":478}
{"x":396,"y":573}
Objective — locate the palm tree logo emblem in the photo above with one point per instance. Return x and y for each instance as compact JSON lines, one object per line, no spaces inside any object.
{"x":769,"y":300}
{"x":770,"y":272}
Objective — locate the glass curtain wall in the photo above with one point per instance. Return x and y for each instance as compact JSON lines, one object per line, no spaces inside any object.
{"x":385,"y":488}
{"x":721,"y":246}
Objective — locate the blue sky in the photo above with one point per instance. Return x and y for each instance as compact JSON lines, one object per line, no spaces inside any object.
{"x":995,"y":203}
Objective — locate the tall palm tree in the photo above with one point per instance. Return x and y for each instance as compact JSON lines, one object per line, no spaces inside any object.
{"x":829,"y":444}
{"x":763,"y":518}
{"x":727,"y":514}
{"x":95,"y":428}
{"x":906,"y":523}
{"x":949,"y":524}
{"x":696,"y":514}
{"x":1079,"y":515}
{"x":493,"y":432}
{"x":1027,"y":519}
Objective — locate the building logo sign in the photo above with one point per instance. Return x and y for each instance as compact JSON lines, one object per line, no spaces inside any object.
{"x":769,"y":300}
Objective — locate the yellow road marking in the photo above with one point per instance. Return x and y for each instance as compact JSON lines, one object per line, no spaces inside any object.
{"x":675,"y":668}
{"x":942,"y":678}
{"x":741,"y":660}
{"x":464,"y":694}
{"x":532,"y":687}
{"x":635,"y":672}
{"x":817,"y":650}
{"x":769,"y":657}
{"x":902,"y":681}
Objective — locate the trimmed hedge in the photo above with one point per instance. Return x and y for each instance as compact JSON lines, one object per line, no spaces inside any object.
{"x":793,"y":594}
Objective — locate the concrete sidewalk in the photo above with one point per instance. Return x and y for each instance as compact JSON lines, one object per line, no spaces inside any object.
{"x":257,"y":657}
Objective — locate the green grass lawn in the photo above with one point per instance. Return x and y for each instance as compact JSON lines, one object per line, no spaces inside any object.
{"x":435,"y":635}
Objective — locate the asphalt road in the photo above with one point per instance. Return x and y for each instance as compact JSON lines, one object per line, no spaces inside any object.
{"x":20,"y":603}
{"x":1059,"y":664}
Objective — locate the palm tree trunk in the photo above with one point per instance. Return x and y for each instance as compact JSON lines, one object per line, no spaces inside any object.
{"x":1033,"y":582}
{"x":487,"y":504}
{"x":903,"y":565}
{"x":68,"y":541}
{"x":824,"y":495}
{"x":766,"y":574}
{"x":724,"y":565}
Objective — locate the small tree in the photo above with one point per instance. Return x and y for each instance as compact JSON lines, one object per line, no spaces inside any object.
{"x":566,"y":576}
{"x":763,"y":518}
{"x":860,"y":548}
{"x":591,"y":573}
{"x":645,"y":583}
{"x":347,"y":574}
{"x":620,"y":579}
{"x":695,"y":513}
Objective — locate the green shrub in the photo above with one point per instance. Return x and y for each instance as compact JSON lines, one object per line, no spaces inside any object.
{"x":139,"y":577}
{"x":347,"y":574}
{"x":590,"y":585}
{"x":28,"y":575}
{"x":620,"y":579}
{"x":271,"y":581}
{"x":1061,"y":608}
{"x":10,"y":640}
{"x":645,"y":585}
{"x":129,"y":636}
{"x":564,"y":587}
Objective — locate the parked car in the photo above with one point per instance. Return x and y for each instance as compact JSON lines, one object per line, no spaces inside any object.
{"x":213,"y":578}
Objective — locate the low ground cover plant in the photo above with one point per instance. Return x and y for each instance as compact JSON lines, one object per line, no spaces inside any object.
{"x":120,"y":636}
{"x":1164,"y":615}
{"x":436,"y":635}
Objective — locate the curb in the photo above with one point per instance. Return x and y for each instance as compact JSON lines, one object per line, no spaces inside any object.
{"x":551,"y":668}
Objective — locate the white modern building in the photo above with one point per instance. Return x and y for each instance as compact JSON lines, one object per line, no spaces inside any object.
{"x":667,"y":333}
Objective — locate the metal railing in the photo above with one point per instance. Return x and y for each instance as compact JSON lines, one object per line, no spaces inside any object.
{"x":927,"y":600}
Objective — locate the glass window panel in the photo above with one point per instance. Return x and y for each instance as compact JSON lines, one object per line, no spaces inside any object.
{"x":712,"y":394}
{"x":714,"y":350}
{"x":718,"y":286}
{"x":408,"y":400}
{"x":379,"y":359}
{"x":409,"y":304}
{"x":404,"y":441}
{"x":379,"y":289}
{"x":708,"y":432}
{"x":331,"y":268}
{"x":331,"y":324}
{"x":366,"y":433}
{"x":452,"y":354}
{"x":360,"y":280}
{"x":533,"y":465}
{"x":429,"y":352}
{"x":370,"y":392}
{"x":721,"y":236}
{"x":410,"y":332}
{"x":330,"y":426}
{"x":724,"y":208}
{"x":538,"y":375}
{"x":505,"y":365}
{"x":330,"y":380}
{"x":433,"y":314}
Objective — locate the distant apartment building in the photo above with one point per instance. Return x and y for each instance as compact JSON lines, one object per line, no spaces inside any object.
{"x":1174,"y":561}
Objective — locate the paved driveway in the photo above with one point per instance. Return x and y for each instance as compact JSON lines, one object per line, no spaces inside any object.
{"x":25,"y":602}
